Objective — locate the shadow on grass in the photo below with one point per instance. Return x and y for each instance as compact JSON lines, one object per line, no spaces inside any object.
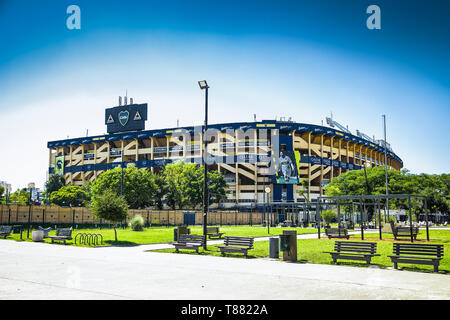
{"x":121,"y":243}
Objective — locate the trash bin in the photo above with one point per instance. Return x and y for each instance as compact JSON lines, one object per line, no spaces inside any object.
{"x":274,"y":246}
{"x":183,"y":230}
{"x":288,"y":244}
{"x":284,"y":242}
{"x":37,"y":235}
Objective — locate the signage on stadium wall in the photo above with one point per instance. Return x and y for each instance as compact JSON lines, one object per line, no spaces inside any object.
{"x":126,"y":118}
{"x":59,"y":165}
{"x":315,"y":160}
{"x":284,"y":161}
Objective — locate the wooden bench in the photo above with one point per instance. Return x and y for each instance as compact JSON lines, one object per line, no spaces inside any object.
{"x":189,"y":241}
{"x":237,"y":244}
{"x":62,"y":234}
{"x":213,"y":232}
{"x":5,"y":231}
{"x":354,"y":250}
{"x":404,"y":232}
{"x":336,"y":233}
{"x":427,"y":254}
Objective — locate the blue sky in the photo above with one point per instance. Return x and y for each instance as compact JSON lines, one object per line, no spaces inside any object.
{"x":301,"y":59}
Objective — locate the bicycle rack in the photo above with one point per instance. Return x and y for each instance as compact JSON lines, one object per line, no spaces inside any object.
{"x":87,"y":238}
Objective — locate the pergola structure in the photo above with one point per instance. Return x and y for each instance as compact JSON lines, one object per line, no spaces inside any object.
{"x":361,"y":201}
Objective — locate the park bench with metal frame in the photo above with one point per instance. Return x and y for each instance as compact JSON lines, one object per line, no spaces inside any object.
{"x":62,"y":234}
{"x":189,"y":241}
{"x":5,"y":231}
{"x":213,"y":232}
{"x":336,"y":233}
{"x":417,"y":253}
{"x":405,"y":232}
{"x":354,"y":250}
{"x":237,"y":244}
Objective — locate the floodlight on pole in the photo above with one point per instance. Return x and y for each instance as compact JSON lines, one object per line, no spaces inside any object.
{"x":203,"y":84}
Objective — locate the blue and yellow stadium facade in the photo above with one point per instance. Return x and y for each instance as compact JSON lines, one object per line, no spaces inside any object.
{"x":240,"y":151}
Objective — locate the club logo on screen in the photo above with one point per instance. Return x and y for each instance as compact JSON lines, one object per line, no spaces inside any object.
{"x":123,"y":117}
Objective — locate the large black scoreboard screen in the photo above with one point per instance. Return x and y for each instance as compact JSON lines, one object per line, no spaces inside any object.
{"x":130,"y":117}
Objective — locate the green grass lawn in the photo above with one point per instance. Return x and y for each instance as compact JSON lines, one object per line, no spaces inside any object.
{"x":311,"y":251}
{"x":163,"y":234}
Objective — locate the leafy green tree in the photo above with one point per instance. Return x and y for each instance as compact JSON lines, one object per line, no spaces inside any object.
{"x":434,"y":187}
{"x":161,"y":190}
{"x":139,"y":186}
{"x":111,"y":207}
{"x":2,"y":190}
{"x":20,"y":196}
{"x":173,"y":175}
{"x":217,"y":186}
{"x":184,"y":185}
{"x":73,"y":196}
{"x":192,"y":185}
{"x":54,"y":183}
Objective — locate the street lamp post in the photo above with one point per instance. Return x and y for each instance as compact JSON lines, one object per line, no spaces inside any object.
{"x":345,"y":184}
{"x":267,"y":190}
{"x":385,"y":164}
{"x":204,"y":86}
{"x":121,"y":181}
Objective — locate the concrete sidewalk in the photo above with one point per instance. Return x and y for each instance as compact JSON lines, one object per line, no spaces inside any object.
{"x":43,"y":271}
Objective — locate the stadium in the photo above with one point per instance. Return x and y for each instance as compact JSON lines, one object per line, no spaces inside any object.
{"x":295,"y":160}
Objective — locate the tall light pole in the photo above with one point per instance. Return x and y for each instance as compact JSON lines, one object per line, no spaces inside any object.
{"x":267,"y":190}
{"x":121,"y":181}
{"x":345,"y":183}
{"x":385,"y":164}
{"x":204,"y":86}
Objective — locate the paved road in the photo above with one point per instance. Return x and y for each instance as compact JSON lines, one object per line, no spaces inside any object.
{"x":43,"y":271}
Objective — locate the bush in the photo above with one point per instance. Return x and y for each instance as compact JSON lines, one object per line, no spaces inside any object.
{"x":328,"y":216}
{"x":392,"y":221}
{"x":137,"y":223}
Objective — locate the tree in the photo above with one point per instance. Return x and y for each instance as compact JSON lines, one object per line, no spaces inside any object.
{"x":173,"y":175}
{"x":184,"y":185}
{"x":73,"y":196}
{"x":217,"y":186}
{"x":191,"y":184}
{"x":161,"y":190}
{"x":435,"y":188}
{"x":139,"y":187}
{"x":20,"y":196}
{"x":2,"y":189}
{"x":54,"y":183}
{"x":110,"y":206}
